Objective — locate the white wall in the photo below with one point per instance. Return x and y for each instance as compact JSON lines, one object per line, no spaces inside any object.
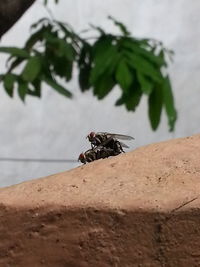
{"x":55,"y":127}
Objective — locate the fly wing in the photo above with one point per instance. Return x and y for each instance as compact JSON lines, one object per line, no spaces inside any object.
{"x":107,"y":141}
{"x":118,"y":136}
{"x":124,"y":145}
{"x":104,"y":142}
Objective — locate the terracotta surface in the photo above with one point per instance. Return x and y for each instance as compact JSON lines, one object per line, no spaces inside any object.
{"x":137,"y":209}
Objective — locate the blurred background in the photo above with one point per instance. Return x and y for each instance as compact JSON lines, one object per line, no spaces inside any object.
{"x":55,"y":127}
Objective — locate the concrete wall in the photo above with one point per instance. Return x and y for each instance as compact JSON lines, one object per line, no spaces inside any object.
{"x":55,"y":127}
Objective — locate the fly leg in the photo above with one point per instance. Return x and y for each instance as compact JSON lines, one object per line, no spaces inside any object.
{"x":121,"y":147}
{"x":118,"y":148}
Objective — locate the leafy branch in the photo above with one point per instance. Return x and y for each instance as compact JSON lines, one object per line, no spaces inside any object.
{"x":137,"y":66}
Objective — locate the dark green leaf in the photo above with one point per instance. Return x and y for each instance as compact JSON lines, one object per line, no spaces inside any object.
{"x":85,"y":55}
{"x":99,"y":29}
{"x":60,"y":47}
{"x":35,"y":37}
{"x":22,"y":89}
{"x":84,"y":77}
{"x":148,"y":55}
{"x":103,"y":86}
{"x":106,"y":58}
{"x":40,"y":21}
{"x":121,"y":26}
{"x":131,"y":99}
{"x":169,"y":104}
{"x":161,"y":55}
{"x":9,"y":80}
{"x":69,"y":69}
{"x":123,"y":75}
{"x":84,"y":63}
{"x":145,"y":83}
{"x":121,"y":100}
{"x":65,"y":49}
{"x":101,"y":46}
{"x":68,"y":31}
{"x":14,"y":51}
{"x":68,"y":50}
{"x":142,"y":65}
{"x":63,"y":67}
{"x":36,"y":91}
{"x":134,"y":99}
{"x":16,"y":62}
{"x":59,"y":88}
{"x":32,"y":69}
{"x":155,"y":107}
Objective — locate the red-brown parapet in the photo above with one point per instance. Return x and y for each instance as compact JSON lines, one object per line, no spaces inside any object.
{"x":137,"y":209}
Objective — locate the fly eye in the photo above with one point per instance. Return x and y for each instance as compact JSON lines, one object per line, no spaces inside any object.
{"x":92,"y":134}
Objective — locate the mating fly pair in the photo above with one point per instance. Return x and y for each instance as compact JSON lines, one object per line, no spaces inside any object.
{"x":103,"y":146}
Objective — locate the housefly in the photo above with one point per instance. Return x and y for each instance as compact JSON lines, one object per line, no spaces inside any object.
{"x":99,"y":152}
{"x":108,"y":140}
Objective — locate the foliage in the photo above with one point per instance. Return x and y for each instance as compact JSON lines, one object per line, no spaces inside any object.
{"x":54,"y":49}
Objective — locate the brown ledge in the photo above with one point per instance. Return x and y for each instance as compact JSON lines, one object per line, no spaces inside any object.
{"x":137,"y":209}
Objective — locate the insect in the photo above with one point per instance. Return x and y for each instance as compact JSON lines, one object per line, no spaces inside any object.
{"x":99,"y":152}
{"x":108,"y":140}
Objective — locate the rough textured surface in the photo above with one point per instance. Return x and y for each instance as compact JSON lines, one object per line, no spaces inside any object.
{"x":137,"y":209}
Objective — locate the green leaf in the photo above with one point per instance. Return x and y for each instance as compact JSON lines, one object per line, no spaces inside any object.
{"x":155,"y":107}
{"x":136,"y":48}
{"x":169,"y":104}
{"x":103,"y":86}
{"x":121,"y":26}
{"x":85,"y":55}
{"x":99,"y":29}
{"x":68,"y":31}
{"x":32,"y":69}
{"x":145,"y":83}
{"x":106,"y":58}
{"x":40,"y":21}
{"x":84,"y":63}
{"x":84,"y":77}
{"x":123,"y":75}
{"x":65,"y":49}
{"x":68,"y":51}
{"x":9,"y":80}
{"x":14,"y":51}
{"x":131,"y":100}
{"x":59,"y":46}
{"x":62,"y":67}
{"x":16,"y":62}
{"x":36,"y":91}
{"x":134,"y":99}
{"x":37,"y":36}
{"x":59,"y":88}
{"x":142,"y":65}
{"x":22,"y":89}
